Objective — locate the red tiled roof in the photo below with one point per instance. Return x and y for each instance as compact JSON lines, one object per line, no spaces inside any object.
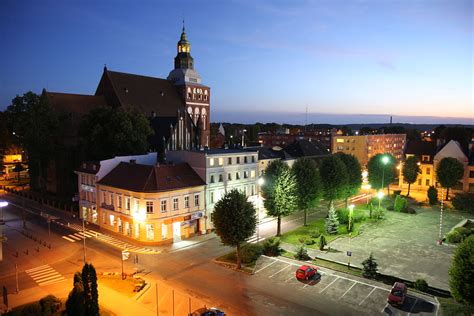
{"x":74,"y":103}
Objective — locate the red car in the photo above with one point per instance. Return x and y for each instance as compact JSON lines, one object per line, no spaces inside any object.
{"x":397,"y":294}
{"x":306,"y":272}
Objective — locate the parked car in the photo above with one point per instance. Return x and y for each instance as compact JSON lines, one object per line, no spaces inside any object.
{"x":306,"y":272}
{"x":397,"y":294}
{"x":213,"y":311}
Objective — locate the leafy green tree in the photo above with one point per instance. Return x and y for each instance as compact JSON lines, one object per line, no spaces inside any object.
{"x":108,"y":132}
{"x":91,"y":294}
{"x":18,"y":113}
{"x":410,"y":171}
{"x":369,"y":267}
{"x":354,"y":175}
{"x":18,"y":168}
{"x":235,"y":220}
{"x":381,"y":174}
{"x":331,"y":223}
{"x":461,"y":273}
{"x":333,"y":177}
{"x":432,"y":195}
{"x":322,"y":242}
{"x":448,"y":173}
{"x":308,"y":184}
{"x":279,"y":191}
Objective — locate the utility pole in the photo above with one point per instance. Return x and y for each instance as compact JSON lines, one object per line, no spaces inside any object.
{"x":84,"y":239}
{"x":16,"y":276}
{"x":157,"y":307}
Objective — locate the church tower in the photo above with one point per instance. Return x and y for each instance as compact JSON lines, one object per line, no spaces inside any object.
{"x":195,"y":95}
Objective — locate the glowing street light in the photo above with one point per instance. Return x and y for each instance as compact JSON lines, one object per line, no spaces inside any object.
{"x":261,"y":181}
{"x":349,"y":253}
{"x":380,"y":197}
{"x":385,"y":161}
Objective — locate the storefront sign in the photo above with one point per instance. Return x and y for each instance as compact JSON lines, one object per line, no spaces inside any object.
{"x":196,"y":215}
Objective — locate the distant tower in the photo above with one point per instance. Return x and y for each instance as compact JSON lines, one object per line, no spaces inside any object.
{"x":196,"y":96}
{"x":390,"y":120}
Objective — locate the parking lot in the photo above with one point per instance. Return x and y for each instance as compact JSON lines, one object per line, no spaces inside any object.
{"x":365,"y":296}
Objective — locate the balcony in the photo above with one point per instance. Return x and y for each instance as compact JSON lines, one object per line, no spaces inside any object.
{"x":108,"y":207}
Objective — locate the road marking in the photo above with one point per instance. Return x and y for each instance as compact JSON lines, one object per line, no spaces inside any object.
{"x":68,"y":239}
{"x":337,"y":277}
{"x":416,"y":300}
{"x":55,"y":275}
{"x":437,"y":305}
{"x":52,"y":281}
{"x":291,"y":277}
{"x":271,"y":276}
{"x":38,"y":273}
{"x":348,"y":289}
{"x":367,"y":296}
{"x":294,"y":264}
{"x":265,"y":267}
{"x":386,"y":305}
{"x":37,"y":268}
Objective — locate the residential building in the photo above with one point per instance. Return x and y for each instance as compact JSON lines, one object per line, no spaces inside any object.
{"x":89,"y":173}
{"x":152,"y":204}
{"x":284,"y":138}
{"x":364,"y":147}
{"x":222,"y":170}
{"x":424,"y":152}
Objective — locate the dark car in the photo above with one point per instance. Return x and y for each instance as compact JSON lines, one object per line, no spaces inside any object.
{"x":305,"y":272}
{"x":397,"y":294}
{"x":208,"y":312}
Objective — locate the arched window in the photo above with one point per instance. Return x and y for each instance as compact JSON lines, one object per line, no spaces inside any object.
{"x":203,"y":117}
{"x":196,"y":115}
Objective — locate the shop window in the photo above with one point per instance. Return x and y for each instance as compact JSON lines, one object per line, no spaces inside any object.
{"x":150,"y":232}
{"x":164,"y":231}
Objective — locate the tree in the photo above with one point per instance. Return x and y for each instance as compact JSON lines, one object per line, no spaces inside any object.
{"x":308,"y":184}
{"x":49,"y":305}
{"x":448,"y":173}
{"x":18,"y":113}
{"x":235,"y":220}
{"x":331,"y":223}
{"x":432,"y":195}
{"x":461,"y":272}
{"x":354,"y":175}
{"x":109,"y":132}
{"x":279,"y":191}
{"x":322,"y":242}
{"x":411,"y":170}
{"x":381,"y":171}
{"x":333,"y":177}
{"x":369,"y":267}
{"x":18,"y":168}
{"x":75,"y":301}
{"x":91,"y":294}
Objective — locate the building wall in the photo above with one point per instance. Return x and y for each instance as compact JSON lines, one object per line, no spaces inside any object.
{"x":151,"y":217}
{"x":353,"y":145}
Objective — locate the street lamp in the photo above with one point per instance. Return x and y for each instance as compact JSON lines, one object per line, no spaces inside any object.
{"x":385,"y":161}
{"x":243,"y":137}
{"x":2,"y":205}
{"x":261,"y":181}
{"x":380,"y":196}
{"x":349,"y":253}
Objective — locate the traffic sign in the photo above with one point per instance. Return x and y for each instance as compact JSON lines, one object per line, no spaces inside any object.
{"x":349,"y":253}
{"x":125,"y":254}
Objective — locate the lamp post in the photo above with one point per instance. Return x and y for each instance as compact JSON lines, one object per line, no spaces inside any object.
{"x":349,"y":253}
{"x":261,"y":181}
{"x":243,"y":137}
{"x":385,"y":161}
{"x":380,"y":196}
{"x":84,"y":238}
{"x":2,"y":205}
{"x":2,"y":238}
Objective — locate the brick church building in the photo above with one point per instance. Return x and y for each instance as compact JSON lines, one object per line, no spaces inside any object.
{"x":178,"y":108}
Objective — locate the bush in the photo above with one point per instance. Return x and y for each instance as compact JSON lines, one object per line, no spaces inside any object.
{"x":377,"y":214}
{"x":271,"y":247}
{"x":309,"y":242}
{"x":464,"y":202}
{"x":421,"y":285}
{"x":49,"y":305}
{"x":397,"y":192}
{"x":454,"y":237}
{"x":315,"y":233}
{"x":322,"y":243}
{"x":370,"y":267}
{"x":432,"y":195}
{"x":400,"y":204}
{"x":302,"y":253}
{"x":343,"y":216}
{"x":251,"y":252}
{"x":461,"y":272}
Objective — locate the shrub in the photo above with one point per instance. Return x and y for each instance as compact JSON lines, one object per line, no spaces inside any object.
{"x":315,"y":233}
{"x":464,"y":202}
{"x":49,"y":305}
{"x":271,"y":247}
{"x":302,"y":253}
{"x":377,"y":214}
{"x":309,"y":242}
{"x":322,"y":242}
{"x":454,"y":237}
{"x":397,"y":192}
{"x":370,"y":267}
{"x":400,"y":204}
{"x":331,"y":223}
{"x":251,"y":252}
{"x":432,"y":195}
{"x":343,"y":216}
{"x":461,"y":272}
{"x":421,"y":285}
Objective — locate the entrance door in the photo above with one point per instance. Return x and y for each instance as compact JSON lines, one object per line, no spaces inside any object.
{"x":176,"y":231}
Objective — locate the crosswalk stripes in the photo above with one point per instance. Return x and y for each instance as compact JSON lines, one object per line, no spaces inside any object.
{"x":44,"y":275}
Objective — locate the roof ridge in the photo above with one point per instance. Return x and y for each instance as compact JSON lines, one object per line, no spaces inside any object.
{"x":75,"y":94}
{"x":130,"y":74}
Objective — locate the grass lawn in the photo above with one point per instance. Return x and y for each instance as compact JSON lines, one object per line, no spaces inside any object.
{"x":115,"y":282}
{"x":231,"y":258}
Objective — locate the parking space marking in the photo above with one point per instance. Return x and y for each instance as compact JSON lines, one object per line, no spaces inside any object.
{"x":416,"y":300}
{"x":265,"y":266}
{"x":330,"y":284}
{"x":276,"y":259}
{"x":383,"y":309}
{"x":291,"y":277}
{"x":355,"y":282}
{"x":271,"y":276}
{"x":367,"y":296}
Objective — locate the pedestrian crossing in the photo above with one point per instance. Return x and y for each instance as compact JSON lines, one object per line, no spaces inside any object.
{"x":44,"y":275}
{"x":88,"y":233}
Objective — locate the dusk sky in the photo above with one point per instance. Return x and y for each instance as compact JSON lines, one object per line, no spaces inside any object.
{"x":264,"y":60}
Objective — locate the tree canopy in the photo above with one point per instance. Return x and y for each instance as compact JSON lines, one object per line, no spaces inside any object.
{"x":461,"y":273}
{"x":333,"y":177}
{"x":235,"y":220}
{"x":381,"y":172}
{"x":448,"y":173}
{"x":410,"y":171}
{"x":279,"y":191}
{"x":308,"y":184}
{"x":354,"y":174}
{"x":108,"y":132}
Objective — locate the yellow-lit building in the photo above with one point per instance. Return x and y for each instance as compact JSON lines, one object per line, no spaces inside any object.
{"x":155,"y":204}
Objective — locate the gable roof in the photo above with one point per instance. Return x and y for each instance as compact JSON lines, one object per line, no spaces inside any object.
{"x":452,"y":149}
{"x":148,"y":94}
{"x":419,"y":148}
{"x":74,"y":103}
{"x":306,"y":148}
{"x":148,"y":179}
